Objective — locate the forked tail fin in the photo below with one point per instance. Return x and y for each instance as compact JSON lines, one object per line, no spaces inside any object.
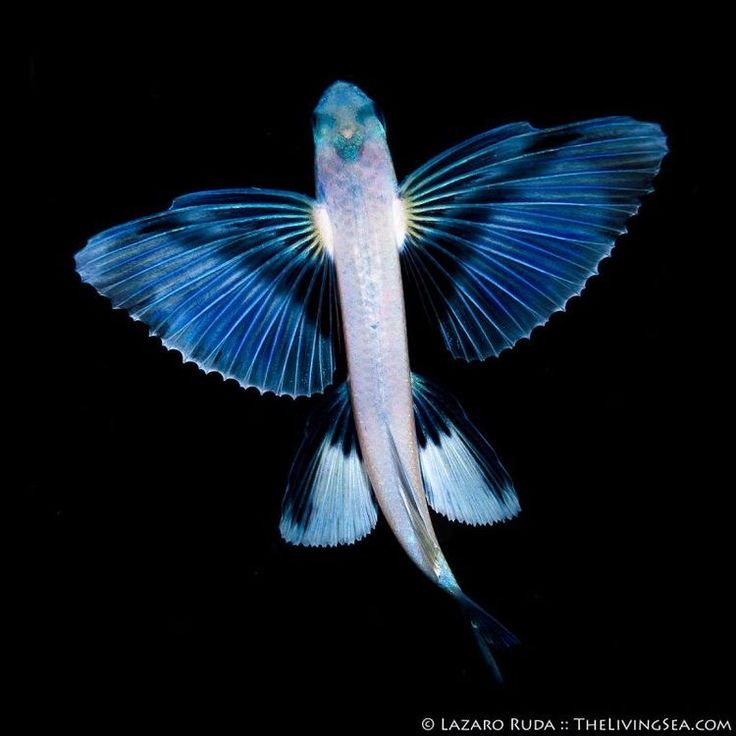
{"x":464,"y":480}
{"x":489,"y":633}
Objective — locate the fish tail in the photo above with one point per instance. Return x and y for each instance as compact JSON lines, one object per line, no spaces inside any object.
{"x":488,"y":632}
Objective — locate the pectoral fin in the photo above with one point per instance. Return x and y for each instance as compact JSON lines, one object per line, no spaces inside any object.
{"x":505,"y":228}
{"x":238,"y":281}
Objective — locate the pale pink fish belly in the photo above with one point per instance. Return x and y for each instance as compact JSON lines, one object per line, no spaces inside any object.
{"x":360,"y":204}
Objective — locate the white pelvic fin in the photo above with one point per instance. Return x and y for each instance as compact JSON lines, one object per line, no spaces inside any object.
{"x":328,"y":499}
{"x":409,"y":498}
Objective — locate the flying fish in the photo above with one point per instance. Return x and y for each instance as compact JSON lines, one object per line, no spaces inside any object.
{"x":274,"y":289}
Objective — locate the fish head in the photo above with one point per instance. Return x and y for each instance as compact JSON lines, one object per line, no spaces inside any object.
{"x":345,"y":121}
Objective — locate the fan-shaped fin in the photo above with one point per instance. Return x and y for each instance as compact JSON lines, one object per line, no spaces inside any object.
{"x":505,"y":228}
{"x":236,"y":280}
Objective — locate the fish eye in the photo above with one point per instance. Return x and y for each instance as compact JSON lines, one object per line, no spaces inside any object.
{"x":368,"y":111}
{"x":364,"y":113}
{"x":322,"y":120}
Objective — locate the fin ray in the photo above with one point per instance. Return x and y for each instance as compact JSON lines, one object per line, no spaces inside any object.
{"x":236,"y":280}
{"x":509,"y":225}
{"x":409,"y":498}
{"x":328,"y":499}
{"x":463,"y":478}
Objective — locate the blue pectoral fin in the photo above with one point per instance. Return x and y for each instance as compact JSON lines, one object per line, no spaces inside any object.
{"x":328,"y":499}
{"x":237,"y":281}
{"x":463,"y":478}
{"x":505,"y":228}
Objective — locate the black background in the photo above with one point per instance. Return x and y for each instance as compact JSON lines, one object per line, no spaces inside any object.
{"x":153,"y":571}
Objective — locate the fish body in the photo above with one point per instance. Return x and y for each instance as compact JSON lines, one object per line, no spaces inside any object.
{"x":493,"y":235}
{"x":359,"y":193}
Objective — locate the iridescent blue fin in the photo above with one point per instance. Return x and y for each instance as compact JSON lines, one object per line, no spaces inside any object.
{"x":463,"y":478}
{"x":237,"y":281}
{"x":328,"y":499}
{"x":505,"y":228}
